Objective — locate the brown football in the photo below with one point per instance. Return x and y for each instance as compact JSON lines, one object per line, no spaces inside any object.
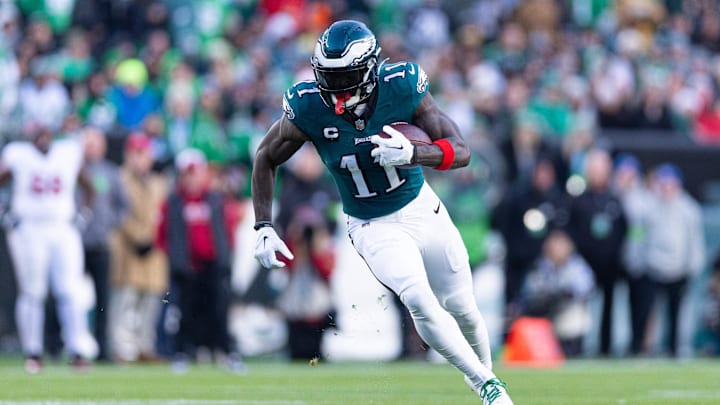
{"x":415,"y":134}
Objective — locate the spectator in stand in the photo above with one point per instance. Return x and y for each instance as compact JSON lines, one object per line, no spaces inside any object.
{"x":523,"y":150}
{"x":179,"y":108}
{"x":57,"y":16}
{"x":428,"y":27}
{"x":487,"y":86}
{"x":510,"y":51}
{"x":159,"y":56}
{"x":559,"y":287}
{"x":208,"y":134}
{"x":131,"y":95}
{"x":75,"y":60}
{"x":43,"y":98}
{"x":39,"y":36}
{"x":10,"y":79}
{"x":552,"y":107}
{"x":598,"y":227}
{"x":675,"y":243}
{"x":139,"y":270}
{"x":93,"y":106}
{"x":109,"y":209}
{"x":653,"y":110}
{"x":524,"y":218}
{"x":198,"y":239}
{"x":613,"y":86}
{"x":629,"y":185}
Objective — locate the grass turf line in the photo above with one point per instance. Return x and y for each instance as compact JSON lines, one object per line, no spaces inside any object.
{"x":623,"y":382}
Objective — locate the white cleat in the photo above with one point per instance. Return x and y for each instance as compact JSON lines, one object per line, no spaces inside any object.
{"x":493,"y":392}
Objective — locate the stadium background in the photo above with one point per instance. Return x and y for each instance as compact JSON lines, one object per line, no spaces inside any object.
{"x":589,"y":67}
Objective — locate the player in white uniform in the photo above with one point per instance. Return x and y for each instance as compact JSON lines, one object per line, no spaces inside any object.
{"x":45,"y":244}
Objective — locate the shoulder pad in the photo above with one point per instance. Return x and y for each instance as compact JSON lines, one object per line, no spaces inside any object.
{"x":293,"y":97}
{"x":406,"y":75}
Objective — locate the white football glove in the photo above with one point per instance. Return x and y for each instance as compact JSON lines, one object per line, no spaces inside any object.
{"x":394,"y":151}
{"x":268,"y":242}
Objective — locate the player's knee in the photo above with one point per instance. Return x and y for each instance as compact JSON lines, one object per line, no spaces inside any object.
{"x":33,"y":293}
{"x":420,"y":301}
{"x":462,"y":307}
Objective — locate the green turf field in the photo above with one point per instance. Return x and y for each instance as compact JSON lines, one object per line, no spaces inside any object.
{"x":273,"y":382}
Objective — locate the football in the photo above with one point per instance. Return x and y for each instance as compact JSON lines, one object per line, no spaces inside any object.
{"x":415,"y":134}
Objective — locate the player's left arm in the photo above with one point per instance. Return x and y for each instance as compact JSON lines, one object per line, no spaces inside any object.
{"x":449,"y":147}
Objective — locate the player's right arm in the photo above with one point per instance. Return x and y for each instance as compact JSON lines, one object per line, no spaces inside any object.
{"x":282,"y":140}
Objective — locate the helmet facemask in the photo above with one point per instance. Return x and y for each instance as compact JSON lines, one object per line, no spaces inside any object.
{"x":345,"y":63}
{"x":351,"y":85}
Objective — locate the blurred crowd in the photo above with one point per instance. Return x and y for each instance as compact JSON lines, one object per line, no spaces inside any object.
{"x":531,"y":83}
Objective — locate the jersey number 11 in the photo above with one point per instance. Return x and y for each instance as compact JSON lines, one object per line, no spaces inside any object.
{"x":350,"y":162}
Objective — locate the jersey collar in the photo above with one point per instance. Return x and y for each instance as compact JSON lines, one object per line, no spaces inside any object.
{"x":360,"y":121}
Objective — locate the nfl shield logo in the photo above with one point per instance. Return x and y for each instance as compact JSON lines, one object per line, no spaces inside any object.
{"x":360,"y":124}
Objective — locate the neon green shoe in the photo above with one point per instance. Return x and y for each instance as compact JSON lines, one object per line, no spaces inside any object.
{"x":493,"y":392}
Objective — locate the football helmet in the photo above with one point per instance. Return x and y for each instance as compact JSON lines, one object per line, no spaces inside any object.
{"x":345,"y":63}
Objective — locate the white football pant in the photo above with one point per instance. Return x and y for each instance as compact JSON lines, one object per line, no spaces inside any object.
{"x":50,"y":252}
{"x":418,"y":253}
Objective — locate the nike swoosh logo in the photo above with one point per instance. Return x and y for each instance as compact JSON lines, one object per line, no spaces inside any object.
{"x":264,"y":239}
{"x":396,"y":147}
{"x":436,"y":210}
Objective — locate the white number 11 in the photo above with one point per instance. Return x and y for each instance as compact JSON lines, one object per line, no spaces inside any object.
{"x":350,"y":162}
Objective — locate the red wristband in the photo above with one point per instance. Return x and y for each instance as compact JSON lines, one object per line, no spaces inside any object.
{"x":448,"y":154}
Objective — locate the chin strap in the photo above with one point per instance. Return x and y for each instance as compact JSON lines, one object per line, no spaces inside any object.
{"x":341,"y":98}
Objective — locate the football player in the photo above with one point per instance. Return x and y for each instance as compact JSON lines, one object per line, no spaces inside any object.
{"x":45,"y":244}
{"x":395,"y":221}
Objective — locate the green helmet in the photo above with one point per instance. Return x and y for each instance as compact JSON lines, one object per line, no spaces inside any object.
{"x":345,"y":62}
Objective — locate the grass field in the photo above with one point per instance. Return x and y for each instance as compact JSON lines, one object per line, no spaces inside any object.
{"x":273,"y":382}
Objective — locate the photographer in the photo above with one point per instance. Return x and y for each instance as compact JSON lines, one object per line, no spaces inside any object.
{"x":306,"y":217}
{"x":306,"y":301}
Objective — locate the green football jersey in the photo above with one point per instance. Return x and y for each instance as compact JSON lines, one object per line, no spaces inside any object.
{"x":367,"y":189}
